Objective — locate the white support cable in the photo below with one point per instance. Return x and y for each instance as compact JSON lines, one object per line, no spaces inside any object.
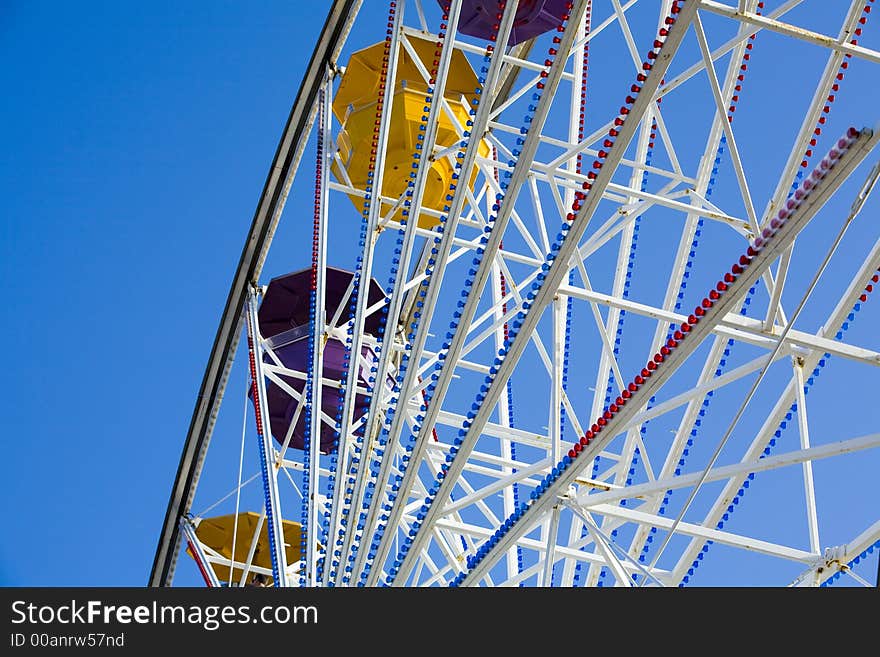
{"x":220,"y":501}
{"x":801,"y":144}
{"x":252,"y":549}
{"x":682,"y":433}
{"x":693,"y":398}
{"x":610,"y":547}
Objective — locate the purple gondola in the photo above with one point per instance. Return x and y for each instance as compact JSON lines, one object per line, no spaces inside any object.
{"x":532,"y":18}
{"x":284,"y":324}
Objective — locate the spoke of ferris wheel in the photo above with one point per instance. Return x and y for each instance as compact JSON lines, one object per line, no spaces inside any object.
{"x":573,"y":552}
{"x":802,"y":143}
{"x":557,"y":269}
{"x":835,"y":320}
{"x":720,"y":473}
{"x":198,"y":550}
{"x":606,"y":359}
{"x":862,"y":142}
{"x":274,"y":512}
{"x":396,"y":298}
{"x":551,"y":82}
{"x":837,"y":559}
{"x":688,"y":419}
{"x":652,"y":118}
{"x":480,"y":121}
{"x":311,"y":530}
{"x":646,"y":492}
{"x":792,"y":31}
{"x":738,"y":327}
{"x":630,"y":516}
{"x":796,"y":388}
{"x":344,"y":442}
{"x":720,"y":126}
{"x":340,"y":16}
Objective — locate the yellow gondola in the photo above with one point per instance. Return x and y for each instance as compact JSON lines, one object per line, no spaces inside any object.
{"x":216,"y":533}
{"x":354,"y":106}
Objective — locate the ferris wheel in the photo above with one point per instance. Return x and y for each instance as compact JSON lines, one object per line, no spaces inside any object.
{"x":553,"y":293}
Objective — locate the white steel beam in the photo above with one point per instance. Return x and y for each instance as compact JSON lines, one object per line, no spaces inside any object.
{"x":529,"y":148}
{"x":823,"y":189}
{"x":557,"y":269}
{"x":837,"y":558}
{"x":802,"y":143}
{"x":274,"y":515}
{"x":868,"y":268}
{"x":395,"y":301}
{"x":588,"y":499}
{"x":434,"y":275}
{"x":338,"y":507}
{"x":704,"y":533}
{"x":793,"y":31}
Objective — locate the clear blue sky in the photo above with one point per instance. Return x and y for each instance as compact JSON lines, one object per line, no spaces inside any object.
{"x":135,"y":142}
{"x":136,"y":139}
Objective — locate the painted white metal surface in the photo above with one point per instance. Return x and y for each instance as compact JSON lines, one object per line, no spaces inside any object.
{"x":494,"y":443}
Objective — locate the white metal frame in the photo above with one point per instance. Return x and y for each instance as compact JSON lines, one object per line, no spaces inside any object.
{"x":567,"y":536}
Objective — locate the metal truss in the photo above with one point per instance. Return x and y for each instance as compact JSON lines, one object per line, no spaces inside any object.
{"x":523,"y":439}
